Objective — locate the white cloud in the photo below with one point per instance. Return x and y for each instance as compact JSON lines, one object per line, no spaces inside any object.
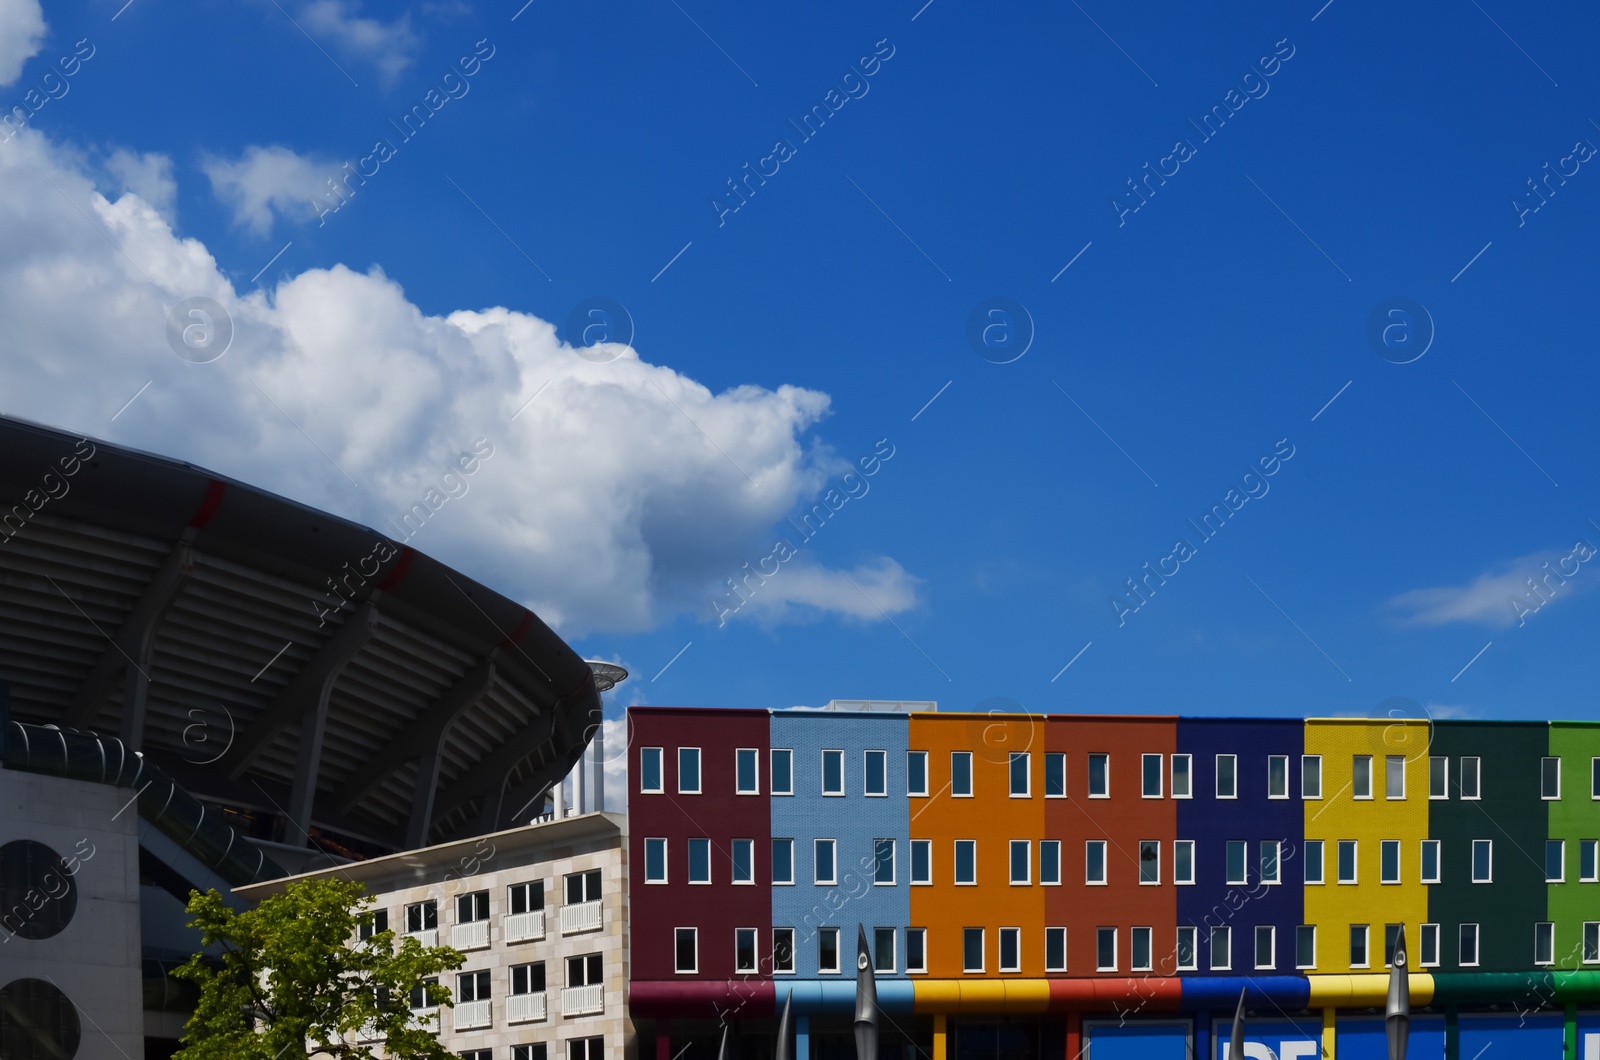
{"x":21,"y":33}
{"x":148,"y":176}
{"x":604,"y":506}
{"x":270,"y":180}
{"x":1488,"y":599}
{"x":389,"y":46}
{"x":804,"y":589}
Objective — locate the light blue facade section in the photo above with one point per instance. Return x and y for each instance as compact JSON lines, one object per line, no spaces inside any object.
{"x":854,"y":820}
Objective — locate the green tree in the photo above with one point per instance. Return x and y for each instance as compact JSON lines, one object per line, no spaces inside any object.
{"x":291,"y":981}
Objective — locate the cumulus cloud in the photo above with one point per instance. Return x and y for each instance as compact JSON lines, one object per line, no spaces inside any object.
{"x":605,"y":505}
{"x":389,"y":46}
{"x":1501,"y":595}
{"x":265,"y":182}
{"x":804,"y":589}
{"x":148,"y":176}
{"x":21,"y":34}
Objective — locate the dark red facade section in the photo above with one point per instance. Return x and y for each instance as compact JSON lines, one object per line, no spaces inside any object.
{"x":717,"y":814}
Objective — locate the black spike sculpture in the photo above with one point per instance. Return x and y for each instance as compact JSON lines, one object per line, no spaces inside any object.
{"x":783,"y":1050}
{"x":866,"y":1000}
{"x":722,"y":1049}
{"x":1236,"y":1038}
{"x":1397,"y":1012}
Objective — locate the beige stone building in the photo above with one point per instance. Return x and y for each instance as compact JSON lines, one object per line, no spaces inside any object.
{"x":541,"y":915}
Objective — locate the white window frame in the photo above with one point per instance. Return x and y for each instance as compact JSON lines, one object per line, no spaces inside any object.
{"x":1089,"y":774}
{"x":955,"y":863}
{"x":1285,"y":760}
{"x":1305,"y":967}
{"x":1422,"y":946}
{"x":865,"y":773}
{"x":1442,"y":763}
{"x":894,"y":950}
{"x":1226,"y":931}
{"x":1027,"y":862}
{"x":910,"y":792}
{"x":1355,"y":789}
{"x":755,"y":765}
{"x":894,"y":857}
{"x":1338,"y":863}
{"x":772,"y":771}
{"x":1544,"y":927}
{"x":755,"y":948}
{"x":1399,"y":871}
{"x":1305,"y":795}
{"x":1255,"y":947}
{"x":733,"y":863}
{"x":1594,"y":779}
{"x":1172,"y":776}
{"x":1320,"y":861}
{"x":838,"y":951}
{"x":1053,"y":844}
{"x":699,"y":771}
{"x":1016,"y":933}
{"x":1176,"y":880}
{"x":661,"y":770}
{"x":1277,"y":862}
{"x":1438,"y":860}
{"x":1366,"y":945}
{"x":1144,"y":766}
{"x":1149,"y":948}
{"x":688,"y":874}
{"x":1244,"y":862}
{"x":1473,"y":866}
{"x":1477,"y":778}
{"x":972,"y":780}
{"x":823,"y":775}
{"x":1105,"y":869}
{"x":921,"y":933}
{"x":1059,"y":756}
{"x":1589,"y":927}
{"x":1593,"y":876}
{"x":983,"y":951}
{"x":1562,"y":878}
{"x":1194,"y":949}
{"x":1027,"y":775}
{"x":926,"y":845}
{"x":1388,"y":765}
{"x":1477,"y":945}
{"x":1154,"y":844}
{"x":816,"y":863}
{"x":1233,"y":760}
{"x":1116,"y":949}
{"x":790,"y":881}
{"x":793,"y":962}
{"x":1047,"y":966}
{"x":696,"y":935}
{"x":1543,"y":762}
{"x":666,"y":862}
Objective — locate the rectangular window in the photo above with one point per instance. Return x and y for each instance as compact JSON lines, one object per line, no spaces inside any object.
{"x":1311,"y":776}
{"x":916,"y":949}
{"x":916,"y":772}
{"x":823,"y":851}
{"x":1305,"y":946}
{"x":783,"y":950}
{"x":1589,"y":860}
{"x":1391,"y":941}
{"x":1438,"y":777}
{"x":1188,"y":949}
{"x":1594,"y":778}
{"x":883,"y":862}
{"x":1020,"y":788}
{"x":527,"y":978}
{"x":1271,"y":860}
{"x":782,"y":771}
{"x":884,"y":945}
{"x":1544,"y":943}
{"x":783,"y":861}
{"x":1470,"y":788}
{"x":1227,"y":776}
{"x":1555,"y":861}
{"x":650,"y":771}
{"x":1266,"y":946}
{"x":655,"y":861}
{"x":1347,"y":861}
{"x":586,"y":1048}
{"x":1183,"y":776}
{"x":1430,"y":861}
{"x":1099,"y":776}
{"x":1428,"y":946}
{"x":700,"y":860}
{"x":1150,"y":776}
{"x":423,"y":998}
{"x":875,"y":773}
{"x":744,"y":861}
{"x":1221,"y":948}
{"x":526,"y":897}
{"x":1394,"y":776}
{"x":1049,"y":862}
{"x":746,"y":771}
{"x":1105,"y":949}
{"x":688,"y":771}
{"x":1550,"y":779}
{"x":1591,"y":942}
{"x":1055,"y":775}
{"x":1483,"y":861}
{"x":1149,"y":862}
{"x":422,"y":916}
{"x":922,"y":861}
{"x":374,"y":923}
{"x":744,"y":950}
{"x":966,"y":862}
{"x":1139,"y":947}
{"x":686,"y":950}
{"x":1055,"y":949}
{"x":1389,"y":861}
{"x":1236,"y":855}
{"x":536,"y":1051}
{"x":833,"y":772}
{"x":1010,"y":949}
{"x":1358,"y":946}
{"x":1361,"y":777}
{"x":582,"y":887}
{"x":1021,"y":861}
{"x":828,"y":950}
{"x":1277,"y":776}
{"x":961,"y":774}
{"x":1467,"y":946}
{"x":1094,"y":862}
{"x":1183,"y":861}
{"x":972,"y":949}
{"x":1314,"y":861}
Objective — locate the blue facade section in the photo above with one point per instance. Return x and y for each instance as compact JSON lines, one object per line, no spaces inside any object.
{"x":854,"y":820}
{"x":1252,"y":817}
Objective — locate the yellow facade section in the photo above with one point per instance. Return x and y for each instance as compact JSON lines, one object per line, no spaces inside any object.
{"x":1340,"y":816}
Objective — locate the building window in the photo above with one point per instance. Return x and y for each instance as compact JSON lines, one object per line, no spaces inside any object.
{"x":1227,"y":776}
{"x":883,"y":949}
{"x":1188,"y":953}
{"x":583,"y":887}
{"x":1277,"y":776}
{"x":536,"y":1051}
{"x":1236,"y":854}
{"x":1358,"y":946}
{"x":972,"y":949}
{"x":1049,"y":862}
{"x":688,"y":771}
{"x":471,"y":908}
{"x":374,"y":923}
{"x":1361,"y":777}
{"x":1470,"y":788}
{"x":746,"y":772}
{"x":916,"y":772}
{"x":744,"y":860}
{"x":1589,"y":860}
{"x":828,"y":950}
{"x":1149,"y":861}
{"x":472,"y":986}
{"x":966,"y":862}
{"x":525,"y":897}
{"x":655,"y":861}
{"x":782,"y":771}
{"x":686,"y":950}
{"x":1311,"y":776}
{"x":783,"y":861}
{"x":1428,"y":946}
{"x":586,"y":1048}
{"x":961,"y":774}
{"x":1271,"y":861}
{"x":650,"y":771}
{"x":1389,"y":861}
{"x":1183,"y":861}
{"x":700,"y":860}
{"x":1483,"y":861}
{"x":1020,"y":785}
{"x":425,"y":995}
{"x":586,"y":969}
{"x":1555,"y":861}
{"x":1430,"y":861}
{"x":1105,"y":949}
{"x":1221,"y":948}
{"x":477,"y":1054}
{"x":744,"y":951}
{"x":422,"y":916}
{"x":883,"y":862}
{"x":1438,"y":777}
{"x":875,"y":773}
{"x":1467,"y":946}
{"x":1544,"y":943}
{"x":1010,"y":949}
{"x":922,"y":862}
{"x":1347,"y":861}
{"x":1314,"y":861}
{"x":1266,"y":947}
{"x":1391,"y":942}
{"x":833,"y":772}
{"x":1183,"y":776}
{"x":1055,"y":949}
{"x":1021,"y":861}
{"x":1394,"y":776}
{"x":1055,"y":775}
{"x":783,"y":950}
{"x":1139,"y":946}
{"x":1594,"y":778}
{"x":1550,"y":779}
{"x":1094,"y":862}
{"x":1305,"y":946}
{"x":916,"y":949}
{"x":1099,"y":776}
{"x":822,"y":852}
{"x":1150,"y":776}
{"x":1591,"y":942}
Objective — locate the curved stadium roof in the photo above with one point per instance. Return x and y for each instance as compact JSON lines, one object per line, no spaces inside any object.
{"x":150,"y":599}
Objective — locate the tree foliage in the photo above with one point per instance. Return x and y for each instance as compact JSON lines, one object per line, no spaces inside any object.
{"x":292,"y":981}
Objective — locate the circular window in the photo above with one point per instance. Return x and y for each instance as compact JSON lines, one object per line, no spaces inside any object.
{"x":37,"y":894}
{"x":37,"y":1021}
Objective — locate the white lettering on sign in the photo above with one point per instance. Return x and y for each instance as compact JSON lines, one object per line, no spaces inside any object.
{"x":1591,"y":1046}
{"x":1294,"y":1049}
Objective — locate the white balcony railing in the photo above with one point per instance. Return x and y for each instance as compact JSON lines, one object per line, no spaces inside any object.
{"x":473,"y":935}
{"x":523,"y":927}
{"x":583,"y":1000}
{"x":524,"y":1008}
{"x":471,"y":1015}
{"x":429,"y":937}
{"x":584,"y":916}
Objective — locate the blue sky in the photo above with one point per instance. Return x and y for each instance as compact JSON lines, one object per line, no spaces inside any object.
{"x":1369,"y":153}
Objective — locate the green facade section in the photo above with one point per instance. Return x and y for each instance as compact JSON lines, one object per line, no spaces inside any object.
{"x":1573,"y":818}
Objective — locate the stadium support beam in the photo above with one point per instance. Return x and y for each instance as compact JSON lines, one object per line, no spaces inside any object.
{"x":488,"y":777}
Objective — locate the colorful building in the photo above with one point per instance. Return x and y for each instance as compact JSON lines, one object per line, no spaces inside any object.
{"x":1042,"y":885}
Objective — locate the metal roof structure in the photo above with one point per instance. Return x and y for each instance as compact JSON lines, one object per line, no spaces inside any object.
{"x":305,"y":673}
